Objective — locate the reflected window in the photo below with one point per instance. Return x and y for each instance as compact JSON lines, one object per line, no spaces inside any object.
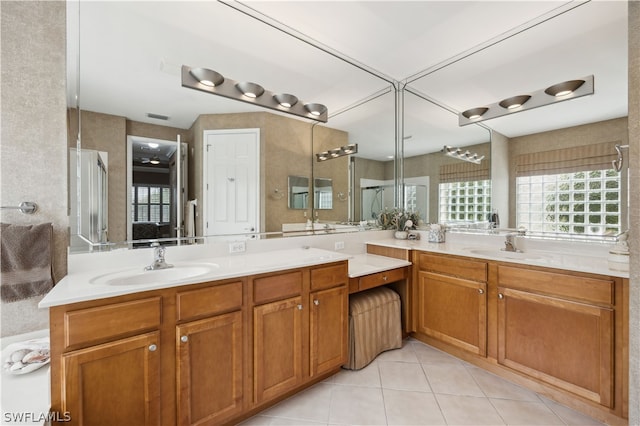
{"x":585,"y":202}
{"x":466,"y":201}
{"x":150,"y":203}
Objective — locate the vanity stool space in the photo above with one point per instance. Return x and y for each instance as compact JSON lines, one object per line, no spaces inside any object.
{"x":374,"y":325}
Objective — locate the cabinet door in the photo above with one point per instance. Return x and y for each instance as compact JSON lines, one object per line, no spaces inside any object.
{"x":116,"y":383}
{"x":209,"y":369}
{"x":453,"y":310}
{"x":277,"y":347}
{"x":564,"y":343}
{"x":329,"y":327}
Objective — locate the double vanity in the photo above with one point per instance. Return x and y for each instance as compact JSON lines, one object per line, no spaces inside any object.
{"x":219,"y":337}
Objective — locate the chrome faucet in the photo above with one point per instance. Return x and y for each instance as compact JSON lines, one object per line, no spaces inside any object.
{"x":158,"y":258}
{"x":510,"y":243}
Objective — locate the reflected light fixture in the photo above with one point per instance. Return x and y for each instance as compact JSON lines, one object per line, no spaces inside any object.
{"x":458,"y":153}
{"x":155,"y":160}
{"x":514,"y":101}
{"x":212,"y":82}
{"x":560,"y":92}
{"x":337,"y":152}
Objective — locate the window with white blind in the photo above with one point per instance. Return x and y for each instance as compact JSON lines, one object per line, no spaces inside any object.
{"x":569,"y":191}
{"x":150,"y":203}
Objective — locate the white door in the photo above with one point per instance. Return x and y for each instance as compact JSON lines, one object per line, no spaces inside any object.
{"x":231,"y":184}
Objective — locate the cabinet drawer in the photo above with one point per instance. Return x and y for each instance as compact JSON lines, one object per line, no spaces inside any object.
{"x":469,"y":269}
{"x":329,"y":276}
{"x":209,"y":301}
{"x":102,"y":323}
{"x":277,"y":287}
{"x":381,"y":278}
{"x":567,"y":286}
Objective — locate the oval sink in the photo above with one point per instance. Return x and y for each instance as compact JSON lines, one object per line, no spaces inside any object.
{"x":140,"y":276}
{"x":503,"y":254}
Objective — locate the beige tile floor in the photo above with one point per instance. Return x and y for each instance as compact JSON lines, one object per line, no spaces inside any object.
{"x":418,"y":385}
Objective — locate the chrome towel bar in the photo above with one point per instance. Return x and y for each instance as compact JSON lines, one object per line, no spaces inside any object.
{"x":26,"y":207}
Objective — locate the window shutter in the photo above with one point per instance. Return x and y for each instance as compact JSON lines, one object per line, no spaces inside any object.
{"x":568,"y":160}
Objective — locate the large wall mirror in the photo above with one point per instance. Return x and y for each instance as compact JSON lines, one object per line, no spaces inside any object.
{"x":132,"y":106}
{"x":130,"y":59}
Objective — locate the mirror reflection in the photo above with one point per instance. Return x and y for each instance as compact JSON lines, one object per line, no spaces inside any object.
{"x":323,"y":194}
{"x":298,"y":192}
{"x":401,"y":124}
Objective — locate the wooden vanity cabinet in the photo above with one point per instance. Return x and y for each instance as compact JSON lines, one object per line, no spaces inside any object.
{"x":202,"y":354}
{"x":106,"y":362}
{"x":452,"y":301}
{"x":209,"y":343}
{"x":559,"y":328}
{"x":299,"y":327}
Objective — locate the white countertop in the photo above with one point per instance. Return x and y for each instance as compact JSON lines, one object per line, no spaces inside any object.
{"x":26,"y":398}
{"x":78,"y":287}
{"x":591,"y":258}
{"x":365,"y":264}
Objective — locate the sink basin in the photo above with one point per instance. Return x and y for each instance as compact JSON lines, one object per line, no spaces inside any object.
{"x":139,"y":276}
{"x":503,"y":254}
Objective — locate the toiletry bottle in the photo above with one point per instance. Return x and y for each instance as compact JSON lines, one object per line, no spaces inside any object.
{"x":494,"y":219}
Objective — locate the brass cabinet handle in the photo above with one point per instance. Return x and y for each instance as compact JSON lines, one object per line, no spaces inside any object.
{"x":184,"y":339}
{"x":316,"y":302}
{"x":299,"y":307}
{"x":500,"y":296}
{"x":480,"y":291}
{"x":152,"y":348}
{"x":384,"y":278}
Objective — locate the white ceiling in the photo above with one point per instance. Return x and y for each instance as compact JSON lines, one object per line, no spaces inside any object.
{"x":460,"y":54}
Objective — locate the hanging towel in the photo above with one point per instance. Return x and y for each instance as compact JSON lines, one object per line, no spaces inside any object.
{"x":26,"y":267}
{"x":190,"y":218}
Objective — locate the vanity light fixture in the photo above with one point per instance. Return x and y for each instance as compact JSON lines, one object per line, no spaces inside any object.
{"x":207,"y":77}
{"x":250,"y":90}
{"x":462,"y":155}
{"x":474,"y":113}
{"x":315,"y":109}
{"x":563,"y":89}
{"x":337,"y":152}
{"x":285,"y":100}
{"x":560,"y":92}
{"x":214,"y":83}
{"x":514,"y":102}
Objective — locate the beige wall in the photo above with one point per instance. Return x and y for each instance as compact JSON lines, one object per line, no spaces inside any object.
{"x":604,"y":131}
{"x":286,"y":150}
{"x":634,"y":209}
{"x":33,"y":153}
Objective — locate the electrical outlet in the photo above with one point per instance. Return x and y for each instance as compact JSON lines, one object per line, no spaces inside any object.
{"x":237,"y":247}
{"x":339,"y":245}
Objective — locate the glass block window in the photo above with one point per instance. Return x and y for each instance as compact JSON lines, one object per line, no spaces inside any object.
{"x":468,"y":201}
{"x":586,"y":202}
{"x":150,"y":203}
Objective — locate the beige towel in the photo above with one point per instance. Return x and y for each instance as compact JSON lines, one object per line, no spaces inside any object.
{"x":26,"y":267}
